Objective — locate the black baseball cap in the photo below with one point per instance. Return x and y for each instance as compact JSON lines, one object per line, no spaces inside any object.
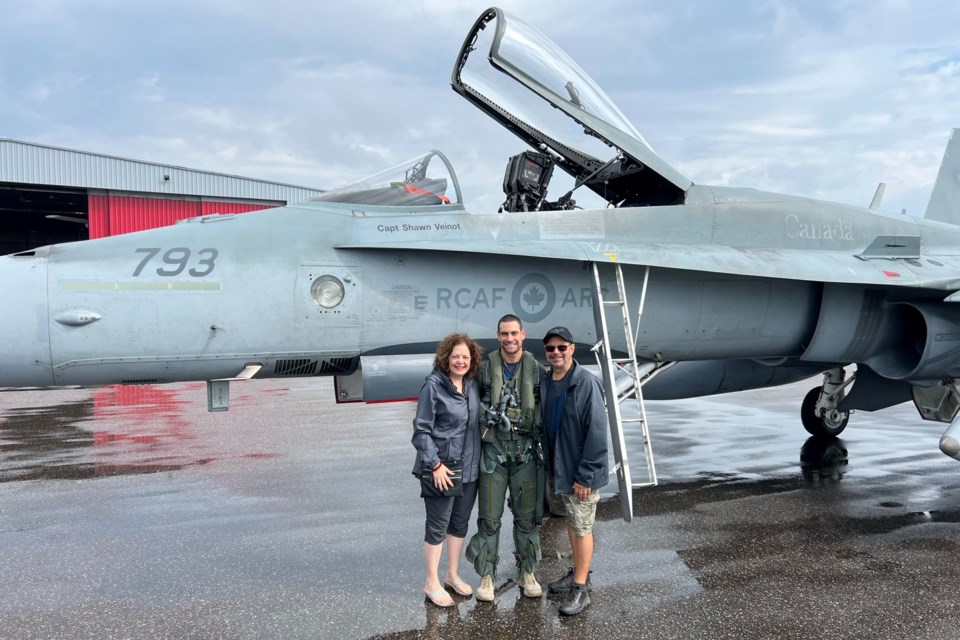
{"x":561,"y":332}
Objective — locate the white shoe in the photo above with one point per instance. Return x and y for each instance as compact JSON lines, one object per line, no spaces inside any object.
{"x":485,"y":590}
{"x":529,"y":585}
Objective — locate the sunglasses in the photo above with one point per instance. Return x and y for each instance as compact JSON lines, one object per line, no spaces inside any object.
{"x":550,"y":348}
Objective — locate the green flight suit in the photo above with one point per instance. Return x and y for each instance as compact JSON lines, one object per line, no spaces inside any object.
{"x":511,"y":456}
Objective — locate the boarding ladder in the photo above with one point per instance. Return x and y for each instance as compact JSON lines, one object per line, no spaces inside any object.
{"x":622,"y":378}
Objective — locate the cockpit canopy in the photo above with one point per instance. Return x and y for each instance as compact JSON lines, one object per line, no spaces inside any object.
{"x":420,"y":181}
{"x":534,"y":89}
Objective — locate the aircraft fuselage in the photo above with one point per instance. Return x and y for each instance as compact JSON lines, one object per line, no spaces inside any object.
{"x":202,"y":299}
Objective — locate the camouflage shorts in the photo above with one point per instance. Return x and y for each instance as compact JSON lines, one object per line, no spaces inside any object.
{"x":581,"y":513}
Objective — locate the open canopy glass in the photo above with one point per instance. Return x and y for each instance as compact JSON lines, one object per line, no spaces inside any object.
{"x":529,"y":85}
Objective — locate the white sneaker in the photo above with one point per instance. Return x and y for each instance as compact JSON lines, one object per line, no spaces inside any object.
{"x":485,"y":590}
{"x":529,"y":585}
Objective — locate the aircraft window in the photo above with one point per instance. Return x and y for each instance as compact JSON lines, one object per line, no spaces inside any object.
{"x":544,"y":62}
{"x":518,"y":103}
{"x":399,"y":194}
{"x":531,"y":87}
{"x":421,"y":181}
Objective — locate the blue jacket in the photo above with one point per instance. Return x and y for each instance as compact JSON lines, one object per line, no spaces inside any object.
{"x":447,"y":425}
{"x":581,"y":445}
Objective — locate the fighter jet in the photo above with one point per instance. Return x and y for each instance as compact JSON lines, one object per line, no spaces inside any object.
{"x":739,"y":289}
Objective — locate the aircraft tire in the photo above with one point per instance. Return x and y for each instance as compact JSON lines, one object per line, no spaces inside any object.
{"x":827,"y":426}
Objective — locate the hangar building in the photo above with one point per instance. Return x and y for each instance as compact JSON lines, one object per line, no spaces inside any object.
{"x":50,"y":195}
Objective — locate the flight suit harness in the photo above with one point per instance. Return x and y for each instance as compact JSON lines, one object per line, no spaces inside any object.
{"x":526,"y":424}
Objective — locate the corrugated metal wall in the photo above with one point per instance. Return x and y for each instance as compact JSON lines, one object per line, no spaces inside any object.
{"x":111,"y":215}
{"x":31,"y":163}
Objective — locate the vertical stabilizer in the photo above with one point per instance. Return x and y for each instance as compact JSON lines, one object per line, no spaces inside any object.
{"x":878,"y":196}
{"x":944,"y":204}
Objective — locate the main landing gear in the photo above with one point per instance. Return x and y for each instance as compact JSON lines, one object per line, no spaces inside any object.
{"x":819,"y":412}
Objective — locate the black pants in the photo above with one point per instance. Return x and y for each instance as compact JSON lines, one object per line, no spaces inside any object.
{"x":449,"y":515}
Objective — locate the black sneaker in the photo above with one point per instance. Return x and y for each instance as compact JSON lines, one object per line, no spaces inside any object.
{"x":564,"y":584}
{"x":577,"y":601}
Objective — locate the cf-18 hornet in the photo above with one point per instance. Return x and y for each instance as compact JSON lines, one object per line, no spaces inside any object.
{"x":682,"y":289}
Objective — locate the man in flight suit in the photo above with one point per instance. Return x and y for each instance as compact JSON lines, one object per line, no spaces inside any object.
{"x":511,"y":457}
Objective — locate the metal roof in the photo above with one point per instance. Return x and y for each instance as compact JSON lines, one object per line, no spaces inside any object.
{"x":32,"y":163}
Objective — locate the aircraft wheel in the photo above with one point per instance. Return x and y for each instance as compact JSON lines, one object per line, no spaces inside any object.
{"x":830,"y":424}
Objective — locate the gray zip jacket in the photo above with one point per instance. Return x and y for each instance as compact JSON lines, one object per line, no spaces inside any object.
{"x":581,"y":445}
{"x":447,"y":425}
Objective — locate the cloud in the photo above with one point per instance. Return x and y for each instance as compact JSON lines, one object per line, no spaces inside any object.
{"x":816,"y":98}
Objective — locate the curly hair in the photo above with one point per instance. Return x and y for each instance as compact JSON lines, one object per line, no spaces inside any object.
{"x":445,"y":348}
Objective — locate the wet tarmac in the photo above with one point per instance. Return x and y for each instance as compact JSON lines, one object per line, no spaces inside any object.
{"x":131,"y":512}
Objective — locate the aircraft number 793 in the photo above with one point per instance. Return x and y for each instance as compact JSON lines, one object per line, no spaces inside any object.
{"x":178,"y":258}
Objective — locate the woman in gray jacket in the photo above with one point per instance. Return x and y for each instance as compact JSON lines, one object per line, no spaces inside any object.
{"x":446,"y":432}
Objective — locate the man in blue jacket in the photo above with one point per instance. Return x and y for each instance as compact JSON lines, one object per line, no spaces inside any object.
{"x":575,"y":437}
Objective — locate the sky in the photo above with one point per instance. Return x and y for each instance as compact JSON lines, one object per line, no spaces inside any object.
{"x":818,"y":98}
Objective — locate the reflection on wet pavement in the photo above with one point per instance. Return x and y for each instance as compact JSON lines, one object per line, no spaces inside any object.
{"x":44,"y":442}
{"x":116,"y":430}
{"x":823,"y":459}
